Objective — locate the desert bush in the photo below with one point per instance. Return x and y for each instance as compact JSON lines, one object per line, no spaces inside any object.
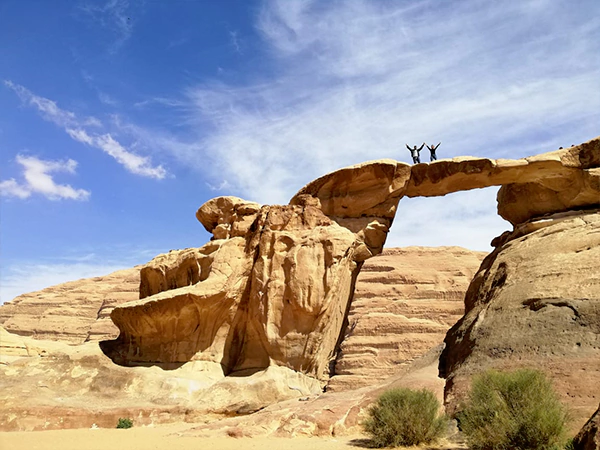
{"x":124,"y":423}
{"x":405,"y":417}
{"x":513,"y":410}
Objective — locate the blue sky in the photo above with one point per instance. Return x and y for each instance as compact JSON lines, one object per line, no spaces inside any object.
{"x":119,"y":118}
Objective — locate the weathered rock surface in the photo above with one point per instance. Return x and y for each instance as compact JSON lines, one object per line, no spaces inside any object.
{"x":535,"y":303}
{"x":54,"y":385}
{"x":274,"y":285}
{"x":73,"y":312}
{"x":531,"y":187}
{"x":328,"y":414}
{"x":399,"y":285}
{"x":276,"y":297}
{"x":405,"y":301}
{"x":589,"y":436}
{"x":270,"y":293}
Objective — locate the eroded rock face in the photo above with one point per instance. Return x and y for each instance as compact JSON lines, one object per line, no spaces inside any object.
{"x":589,"y":436}
{"x":274,"y":285}
{"x":276,"y":297}
{"x":531,"y":187}
{"x":268,"y":298}
{"x":535,"y":302}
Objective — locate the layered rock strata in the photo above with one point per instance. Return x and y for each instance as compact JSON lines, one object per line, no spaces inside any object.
{"x":269,"y":297}
{"x":73,"y":312}
{"x":405,"y":301}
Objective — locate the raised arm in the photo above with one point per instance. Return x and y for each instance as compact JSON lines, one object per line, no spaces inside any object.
{"x":421,"y":147}
{"x":435,"y":148}
{"x":409,"y":149}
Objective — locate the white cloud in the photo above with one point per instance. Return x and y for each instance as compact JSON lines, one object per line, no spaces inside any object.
{"x":234,"y":39}
{"x":82,"y":130}
{"x":38,"y":180}
{"x":139,"y":165}
{"x":355,"y":81}
{"x":107,"y":99}
{"x":466,"y":219}
{"x":112,"y":15}
{"x":49,"y":109}
{"x":10,"y":188}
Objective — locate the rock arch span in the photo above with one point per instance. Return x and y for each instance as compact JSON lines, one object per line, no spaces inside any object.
{"x":274,"y":284}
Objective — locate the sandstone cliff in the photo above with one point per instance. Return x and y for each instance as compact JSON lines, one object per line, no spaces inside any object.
{"x":269,"y":297}
{"x":73,"y":312}
{"x":274,"y":285}
{"x":415,"y":287}
{"x":535,"y":302}
{"x":404,"y":302}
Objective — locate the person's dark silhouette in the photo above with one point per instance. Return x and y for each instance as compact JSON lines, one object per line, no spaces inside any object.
{"x":414,"y":152}
{"x":432,"y":149}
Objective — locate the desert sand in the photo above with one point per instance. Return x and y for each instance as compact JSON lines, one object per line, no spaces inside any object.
{"x":172,"y":437}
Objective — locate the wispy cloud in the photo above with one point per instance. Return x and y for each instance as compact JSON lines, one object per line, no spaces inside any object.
{"x":359,"y":79}
{"x":114,"y":16}
{"x":161,"y":101}
{"x":38,"y":180}
{"x":139,"y":165}
{"x":235,"y":42}
{"x":49,"y":110}
{"x":355,"y":81}
{"x":467,"y":219}
{"x":107,"y":99}
{"x":84,"y":130}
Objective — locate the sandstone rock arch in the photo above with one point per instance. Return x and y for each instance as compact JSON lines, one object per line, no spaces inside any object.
{"x":274,"y":284}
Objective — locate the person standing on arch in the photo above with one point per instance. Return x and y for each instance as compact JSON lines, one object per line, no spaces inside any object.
{"x":432,"y":149}
{"x":414,"y":152}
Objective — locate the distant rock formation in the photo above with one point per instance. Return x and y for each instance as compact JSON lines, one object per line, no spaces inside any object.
{"x":73,"y":312}
{"x":405,"y":301}
{"x":422,"y":288}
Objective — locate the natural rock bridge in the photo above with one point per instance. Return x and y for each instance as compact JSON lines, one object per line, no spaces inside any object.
{"x":274,"y":284}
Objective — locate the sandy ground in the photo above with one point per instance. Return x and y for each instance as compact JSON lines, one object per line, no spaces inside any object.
{"x":169,"y":437}
{"x":159,"y":438}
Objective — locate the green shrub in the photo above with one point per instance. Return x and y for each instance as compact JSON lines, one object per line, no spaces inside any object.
{"x":513,"y":410}
{"x":124,"y":423}
{"x":405,"y":417}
